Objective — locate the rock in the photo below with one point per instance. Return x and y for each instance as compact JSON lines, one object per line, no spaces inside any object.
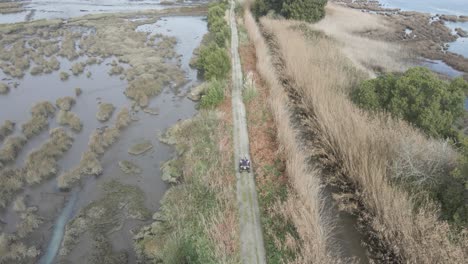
{"x":4,"y":89}
{"x":197,"y":92}
{"x":151,"y":110}
{"x":129,"y":167}
{"x":462,"y":33}
{"x":140,"y":148}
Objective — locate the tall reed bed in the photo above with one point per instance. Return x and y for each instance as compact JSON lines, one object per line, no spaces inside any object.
{"x":305,"y":206}
{"x":361,"y":146}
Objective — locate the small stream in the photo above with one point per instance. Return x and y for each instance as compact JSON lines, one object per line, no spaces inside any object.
{"x":346,"y":237}
{"x":59,"y":228}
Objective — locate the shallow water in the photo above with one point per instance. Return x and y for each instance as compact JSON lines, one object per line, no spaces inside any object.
{"x":460,"y":46}
{"x":101,"y":87}
{"x":441,"y":67}
{"x":346,"y":238}
{"x":449,"y":7}
{"x":52,"y":9}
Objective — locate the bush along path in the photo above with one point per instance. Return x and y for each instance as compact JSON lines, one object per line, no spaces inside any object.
{"x":251,"y":238}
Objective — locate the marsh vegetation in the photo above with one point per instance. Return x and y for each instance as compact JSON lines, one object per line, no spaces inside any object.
{"x":4,"y":88}
{"x":103,"y":217}
{"x":197,"y":219}
{"x":99,"y":141}
{"x":105,"y":112}
{"x":140,"y":148}
{"x":129,"y":167}
{"x":6,"y":129}
{"x":50,"y":52}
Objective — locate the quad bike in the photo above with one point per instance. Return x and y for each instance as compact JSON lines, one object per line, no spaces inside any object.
{"x":244,"y":165}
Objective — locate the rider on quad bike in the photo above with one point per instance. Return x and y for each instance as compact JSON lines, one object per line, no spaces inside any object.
{"x":244,"y":164}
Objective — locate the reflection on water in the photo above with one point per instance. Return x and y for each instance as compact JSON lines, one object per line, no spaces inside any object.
{"x":441,"y":67}
{"x":59,"y":229}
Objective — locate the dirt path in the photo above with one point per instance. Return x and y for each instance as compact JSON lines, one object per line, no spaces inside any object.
{"x":251,"y":238}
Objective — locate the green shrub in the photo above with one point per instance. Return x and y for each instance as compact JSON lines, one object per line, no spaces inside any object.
{"x":214,"y":13}
{"x":221,"y":32}
{"x":433,"y":105}
{"x":217,"y":25}
{"x":249,"y":93}
{"x":213,"y":62}
{"x":419,"y":97}
{"x":214,"y":94}
{"x":307,"y":10}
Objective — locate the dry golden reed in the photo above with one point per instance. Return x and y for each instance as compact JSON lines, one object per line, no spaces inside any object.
{"x":362,"y":146}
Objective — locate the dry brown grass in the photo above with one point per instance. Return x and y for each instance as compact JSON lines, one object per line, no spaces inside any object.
{"x":4,"y":88}
{"x":105,"y":112}
{"x":42,"y":163}
{"x":65,"y":103}
{"x":10,"y":184}
{"x":6,"y":129}
{"x":11,"y":147}
{"x":360,"y":146}
{"x":313,"y":228}
{"x":35,"y":125}
{"x":12,"y":250}
{"x":353,"y":32}
{"x":78,"y":68}
{"x":29,"y":222}
{"x":70,"y":119}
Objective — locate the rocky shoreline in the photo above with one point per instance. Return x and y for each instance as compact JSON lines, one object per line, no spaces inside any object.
{"x":424,"y":34}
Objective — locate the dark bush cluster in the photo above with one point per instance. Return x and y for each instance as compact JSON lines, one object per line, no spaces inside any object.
{"x":307,"y":10}
{"x":217,"y":25}
{"x":213,"y":60}
{"x":433,"y":105}
{"x":419,"y":97}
